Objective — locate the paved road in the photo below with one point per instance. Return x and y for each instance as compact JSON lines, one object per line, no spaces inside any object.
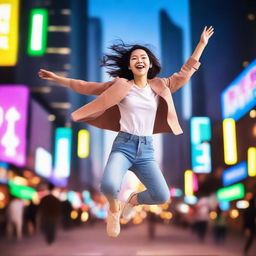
{"x":133,"y":241}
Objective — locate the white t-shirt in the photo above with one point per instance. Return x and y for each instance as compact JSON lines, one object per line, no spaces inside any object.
{"x":138,"y":111}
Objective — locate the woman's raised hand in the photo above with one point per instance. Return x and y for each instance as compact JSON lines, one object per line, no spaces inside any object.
{"x":48,"y":75}
{"x":206,"y":34}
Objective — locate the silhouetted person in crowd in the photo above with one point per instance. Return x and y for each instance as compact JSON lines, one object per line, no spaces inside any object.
{"x":201,"y":218}
{"x":249,"y":217}
{"x":30,"y":217}
{"x":152,"y":220}
{"x":15,"y":212}
{"x":49,"y":215}
{"x":66,"y":209}
{"x":220,"y":226}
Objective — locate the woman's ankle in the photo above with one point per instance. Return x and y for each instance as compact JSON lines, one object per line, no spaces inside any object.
{"x":114,"y":206}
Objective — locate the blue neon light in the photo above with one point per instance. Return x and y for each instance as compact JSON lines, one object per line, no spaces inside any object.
{"x":62,"y":161}
{"x":200,"y":135}
{"x":235,"y":173}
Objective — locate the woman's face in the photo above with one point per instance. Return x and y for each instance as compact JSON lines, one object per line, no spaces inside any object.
{"x":139,"y":63}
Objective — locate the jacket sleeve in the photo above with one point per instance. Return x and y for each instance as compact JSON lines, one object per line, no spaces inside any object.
{"x":89,"y":88}
{"x":180,"y":78}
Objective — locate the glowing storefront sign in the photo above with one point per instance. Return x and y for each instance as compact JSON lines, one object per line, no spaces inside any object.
{"x":231,"y":193}
{"x":188,"y":183}
{"x":62,"y":161}
{"x":9,"y":17}
{"x":240,"y":96}
{"x":13,"y":123}
{"x":251,"y":161}
{"x":234,"y":174}
{"x":229,"y":141}
{"x":23,"y":192}
{"x":43,"y":162}
{"x":83,"y":144}
{"x":38,"y":32}
{"x":200,"y":131}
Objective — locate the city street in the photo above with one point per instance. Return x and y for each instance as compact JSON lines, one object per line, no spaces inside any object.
{"x":133,"y":241}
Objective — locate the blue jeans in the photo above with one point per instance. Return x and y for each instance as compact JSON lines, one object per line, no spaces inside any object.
{"x":135,"y":153}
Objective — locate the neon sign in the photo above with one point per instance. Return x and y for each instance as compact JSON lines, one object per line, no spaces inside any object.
{"x":234,"y":174}
{"x":200,"y":132}
{"x":9,"y":17}
{"x":240,"y":96}
{"x":38,"y":32}
{"x":62,"y":161}
{"x":231,"y":193}
{"x":13,"y":124}
{"x":43,"y":162}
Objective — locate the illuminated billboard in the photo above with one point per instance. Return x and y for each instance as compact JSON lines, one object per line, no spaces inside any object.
{"x":43,"y":162}
{"x":62,"y":159}
{"x":231,"y":193}
{"x":240,"y":96}
{"x":13,"y":123}
{"x":200,"y":136}
{"x":37,"y":32}
{"x":229,"y":141}
{"x":23,"y":192}
{"x":235,"y":173}
{"x":83,"y":143}
{"x":9,"y":18}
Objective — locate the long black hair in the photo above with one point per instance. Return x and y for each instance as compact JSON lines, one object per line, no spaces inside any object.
{"x":118,"y":62}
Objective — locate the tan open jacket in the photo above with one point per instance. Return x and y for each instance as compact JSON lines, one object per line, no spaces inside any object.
{"x":103,"y":111}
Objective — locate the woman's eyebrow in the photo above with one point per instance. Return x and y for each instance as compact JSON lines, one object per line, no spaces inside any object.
{"x":135,"y":55}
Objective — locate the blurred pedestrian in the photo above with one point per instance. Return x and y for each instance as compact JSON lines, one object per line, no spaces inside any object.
{"x":15,"y":211}
{"x":49,"y":215}
{"x":220,"y":226}
{"x":66,"y":209}
{"x":152,"y":221}
{"x":137,"y":105}
{"x":201,"y":218}
{"x":30,"y":217}
{"x":249,"y":218}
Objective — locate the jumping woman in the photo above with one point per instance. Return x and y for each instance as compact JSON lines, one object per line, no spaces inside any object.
{"x":136,"y":104}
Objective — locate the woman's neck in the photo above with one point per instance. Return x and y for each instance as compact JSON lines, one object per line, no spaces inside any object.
{"x":140,"y":81}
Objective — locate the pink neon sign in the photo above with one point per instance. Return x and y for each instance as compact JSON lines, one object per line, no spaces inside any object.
{"x":13,"y":123}
{"x":240,"y":96}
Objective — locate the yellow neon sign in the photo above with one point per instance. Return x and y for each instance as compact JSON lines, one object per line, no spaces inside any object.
{"x":229,"y":140}
{"x":251,"y":161}
{"x":188,"y":180}
{"x":83,"y":145}
{"x":9,"y":17}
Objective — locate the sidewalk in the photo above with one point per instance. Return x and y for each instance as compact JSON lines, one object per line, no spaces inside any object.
{"x":133,"y":241}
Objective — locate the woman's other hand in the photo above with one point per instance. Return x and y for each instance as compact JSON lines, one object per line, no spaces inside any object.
{"x":48,"y":75}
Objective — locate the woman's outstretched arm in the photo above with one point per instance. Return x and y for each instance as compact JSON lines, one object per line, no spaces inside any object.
{"x":180,"y":78}
{"x":79,"y":86}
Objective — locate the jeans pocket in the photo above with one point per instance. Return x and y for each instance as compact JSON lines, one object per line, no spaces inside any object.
{"x":120,"y":140}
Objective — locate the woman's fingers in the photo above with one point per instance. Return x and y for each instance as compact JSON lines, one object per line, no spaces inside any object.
{"x":44,"y":74}
{"x":210,"y":29}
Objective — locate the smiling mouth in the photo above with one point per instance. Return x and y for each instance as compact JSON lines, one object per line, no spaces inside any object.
{"x":140,"y":67}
